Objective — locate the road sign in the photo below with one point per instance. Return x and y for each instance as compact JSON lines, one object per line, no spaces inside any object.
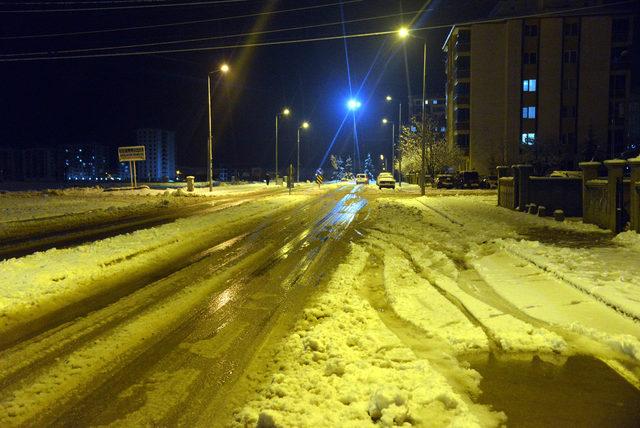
{"x":319,"y":179}
{"x":131,"y":153}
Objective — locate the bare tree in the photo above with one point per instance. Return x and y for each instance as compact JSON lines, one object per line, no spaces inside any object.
{"x":440,"y":154}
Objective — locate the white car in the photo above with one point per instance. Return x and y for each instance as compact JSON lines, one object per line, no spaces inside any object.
{"x":385,"y":179}
{"x":362,"y":179}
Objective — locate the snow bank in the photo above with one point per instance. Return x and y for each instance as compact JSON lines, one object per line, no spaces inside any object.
{"x":629,"y":239}
{"x":342,"y":367}
{"x":34,"y":286}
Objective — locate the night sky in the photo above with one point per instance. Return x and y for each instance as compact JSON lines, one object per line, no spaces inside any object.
{"x":103,"y":100}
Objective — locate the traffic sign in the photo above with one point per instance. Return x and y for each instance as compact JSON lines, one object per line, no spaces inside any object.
{"x":131,"y":153}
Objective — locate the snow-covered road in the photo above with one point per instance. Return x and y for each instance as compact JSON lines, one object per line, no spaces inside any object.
{"x":340,"y":306}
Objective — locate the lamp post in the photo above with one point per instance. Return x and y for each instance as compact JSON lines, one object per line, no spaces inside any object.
{"x":304,"y":125}
{"x":403,"y":33}
{"x":224,"y":69}
{"x":285,"y":112}
{"x":354,"y":104}
{"x":388,"y":99}
{"x":393,"y":135}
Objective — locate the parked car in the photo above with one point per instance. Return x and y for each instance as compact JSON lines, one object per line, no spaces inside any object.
{"x":385,"y":179}
{"x":489,"y":182}
{"x":467,"y":180}
{"x":444,"y":181}
{"x":362,"y":179}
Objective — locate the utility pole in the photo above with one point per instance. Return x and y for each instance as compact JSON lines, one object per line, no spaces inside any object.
{"x":424,"y":120}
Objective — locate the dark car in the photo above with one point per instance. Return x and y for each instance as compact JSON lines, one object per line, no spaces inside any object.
{"x":489,"y":182}
{"x":467,"y":180}
{"x":444,"y":181}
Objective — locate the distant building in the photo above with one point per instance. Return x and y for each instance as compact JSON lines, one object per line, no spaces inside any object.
{"x":39,"y":164}
{"x":553,"y":87}
{"x":435,"y":109}
{"x":9,"y":164}
{"x":160,"y":147}
{"x":85,"y":162}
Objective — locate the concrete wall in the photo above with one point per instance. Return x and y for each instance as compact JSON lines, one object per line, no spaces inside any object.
{"x":593,"y":95}
{"x":550,"y":81}
{"x":512,"y":88}
{"x":487,"y":98}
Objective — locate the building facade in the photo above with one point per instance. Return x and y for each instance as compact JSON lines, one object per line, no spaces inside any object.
{"x":554,"y":90}
{"x":85,"y":162}
{"x":160,"y":148}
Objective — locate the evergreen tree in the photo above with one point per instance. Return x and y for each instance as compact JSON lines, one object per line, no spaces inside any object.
{"x":348,"y":168}
{"x":368,"y":166}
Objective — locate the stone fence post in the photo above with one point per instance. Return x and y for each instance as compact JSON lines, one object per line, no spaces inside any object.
{"x":523,"y":173}
{"x":615,"y":170}
{"x":503,"y":171}
{"x":589,"y":172}
{"x":634,"y":190}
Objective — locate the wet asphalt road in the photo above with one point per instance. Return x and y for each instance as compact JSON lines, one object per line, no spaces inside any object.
{"x":235,"y":296}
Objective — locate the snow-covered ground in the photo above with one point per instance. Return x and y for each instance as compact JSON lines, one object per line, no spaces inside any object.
{"x":29,"y":213}
{"x":34,"y":286}
{"x":464,"y":277}
{"x":429,"y":283}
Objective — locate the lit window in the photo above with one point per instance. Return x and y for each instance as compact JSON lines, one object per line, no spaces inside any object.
{"x":529,"y":112}
{"x":435,"y":101}
{"x":528,"y":138}
{"x":529,"y":85}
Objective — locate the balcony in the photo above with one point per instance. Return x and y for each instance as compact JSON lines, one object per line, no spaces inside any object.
{"x":461,"y":98}
{"x":462,"y":73}
{"x":463,"y":46}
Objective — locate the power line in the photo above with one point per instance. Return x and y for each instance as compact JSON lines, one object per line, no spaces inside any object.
{"x":58,"y":3}
{"x":202,"y":39}
{"x":175,"y":24}
{"x":202,"y":49}
{"x":106,"y":9}
{"x":311,"y":39}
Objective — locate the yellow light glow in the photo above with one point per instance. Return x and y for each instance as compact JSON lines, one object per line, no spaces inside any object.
{"x":224,"y":68}
{"x":385,"y":121}
{"x":286,"y":112}
{"x":403,"y":32}
{"x":305,"y":125}
{"x":381,"y":157}
{"x":388,"y":98}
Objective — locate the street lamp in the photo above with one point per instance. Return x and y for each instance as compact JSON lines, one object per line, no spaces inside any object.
{"x":403,"y":33}
{"x":353,"y":104}
{"x":224,"y":69}
{"x":305,"y":125}
{"x":388,"y":99}
{"x":393,"y":134}
{"x":285,"y":112}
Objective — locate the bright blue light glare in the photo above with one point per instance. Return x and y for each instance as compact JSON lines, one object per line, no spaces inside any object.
{"x":353,"y":104}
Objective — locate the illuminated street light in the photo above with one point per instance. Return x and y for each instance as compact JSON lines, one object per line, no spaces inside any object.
{"x":285,"y":112}
{"x":403,"y":33}
{"x":224,"y":68}
{"x":388,"y":98}
{"x":305,"y":125}
{"x":353,"y":104}
{"x":384,"y":120}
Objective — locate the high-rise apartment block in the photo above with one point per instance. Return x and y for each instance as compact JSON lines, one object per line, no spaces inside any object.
{"x":160,"y":148}
{"x":552,"y":87}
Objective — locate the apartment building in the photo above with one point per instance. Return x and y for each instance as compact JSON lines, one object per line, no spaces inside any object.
{"x":548,"y":88}
{"x":160,"y":147}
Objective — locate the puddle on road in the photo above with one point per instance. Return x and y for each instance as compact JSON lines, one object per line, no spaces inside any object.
{"x":583,"y":392}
